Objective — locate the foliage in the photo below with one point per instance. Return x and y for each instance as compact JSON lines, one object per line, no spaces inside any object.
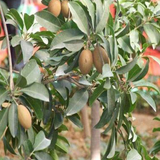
{"x":60,"y":91}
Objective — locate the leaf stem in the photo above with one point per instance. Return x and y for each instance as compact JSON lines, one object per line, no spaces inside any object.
{"x":8,"y":49}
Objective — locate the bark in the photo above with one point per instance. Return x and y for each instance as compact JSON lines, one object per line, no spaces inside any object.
{"x":85,"y":122}
{"x":95,"y":133}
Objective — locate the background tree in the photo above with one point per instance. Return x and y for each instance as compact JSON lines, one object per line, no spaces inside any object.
{"x":58,"y":78}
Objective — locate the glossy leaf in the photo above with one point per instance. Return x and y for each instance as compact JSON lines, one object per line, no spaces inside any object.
{"x":28,"y":20}
{"x":48,"y":20}
{"x":104,"y":17}
{"x":152,"y":33}
{"x":27,"y":50}
{"x":42,"y":156}
{"x":76,"y":120}
{"x":97,"y":92}
{"x":77,"y":102}
{"x":133,"y":154}
{"x":31,"y":72}
{"x":41,"y":142}
{"x":65,"y":36}
{"x":37,"y":90}
{"x":3,"y":95}
{"x":13,"y":120}
{"x":3,"y":121}
{"x":127,"y":67}
{"x":79,"y":17}
{"x":148,"y":99}
{"x":91,"y":10}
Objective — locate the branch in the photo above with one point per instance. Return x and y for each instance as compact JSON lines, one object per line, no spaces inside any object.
{"x":14,"y":71}
{"x":67,"y":77}
{"x":8,"y":49}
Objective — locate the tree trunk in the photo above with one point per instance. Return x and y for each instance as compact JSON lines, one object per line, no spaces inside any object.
{"x":95,"y":133}
{"x":85,"y":122}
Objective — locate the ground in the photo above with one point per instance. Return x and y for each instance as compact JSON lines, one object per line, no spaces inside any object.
{"x":79,"y":149}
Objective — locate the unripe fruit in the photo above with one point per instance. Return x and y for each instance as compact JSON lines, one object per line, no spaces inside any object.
{"x":55,"y":7}
{"x":100,"y":56}
{"x":24,"y":117}
{"x":85,"y":61}
{"x":65,"y":8}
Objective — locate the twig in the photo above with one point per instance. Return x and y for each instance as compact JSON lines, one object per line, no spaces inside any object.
{"x":14,"y":71}
{"x":9,"y":50}
{"x":67,"y":77}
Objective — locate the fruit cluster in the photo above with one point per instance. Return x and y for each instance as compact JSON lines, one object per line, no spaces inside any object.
{"x":99,"y":57}
{"x":56,"y":7}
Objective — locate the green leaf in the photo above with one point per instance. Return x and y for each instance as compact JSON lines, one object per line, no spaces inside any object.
{"x":97,"y":92}
{"x":14,"y":13}
{"x":28,"y":147}
{"x":41,"y":142}
{"x":36,"y":105}
{"x":133,"y":97}
{"x":79,"y":17}
{"x":106,"y":71}
{"x":76,"y":120}
{"x":27,"y":50}
{"x":64,"y":37}
{"x":155,"y":59}
{"x":3,"y":121}
{"x":156,"y":148}
{"x":124,"y":43}
{"x":143,"y":72}
{"x":148,"y":99}
{"x":31,"y":72}
{"x":8,"y":146}
{"x":152,"y":33}
{"x":15,"y":41}
{"x":134,"y":40}
{"x":3,"y":95}
{"x":105,"y":118}
{"x":13,"y":120}
{"x":126,"y":68}
{"x":58,"y":120}
{"x":111,"y":100}
{"x":77,"y":102}
{"x":122,"y":32}
{"x":103,"y":20}
{"x":144,"y":83}
{"x":91,"y":10}
{"x":4,"y":75}
{"x":37,"y":90}
{"x":42,"y":156}
{"x":99,"y":10}
{"x":48,"y":20}
{"x":133,"y":72}
{"x":133,"y":155}
{"x":61,"y":147}
{"x":28,"y":20}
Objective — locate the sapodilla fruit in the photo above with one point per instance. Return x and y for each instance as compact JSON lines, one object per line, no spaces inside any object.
{"x":64,"y":8}
{"x":24,"y":117}
{"x":99,"y":56}
{"x":85,"y":61}
{"x":54,"y":7}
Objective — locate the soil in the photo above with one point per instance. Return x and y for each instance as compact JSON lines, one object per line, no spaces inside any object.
{"x":80,"y":148}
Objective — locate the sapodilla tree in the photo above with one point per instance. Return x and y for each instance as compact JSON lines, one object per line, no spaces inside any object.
{"x":64,"y":88}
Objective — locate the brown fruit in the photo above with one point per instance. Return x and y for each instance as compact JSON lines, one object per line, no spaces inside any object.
{"x":65,"y":8}
{"x":85,"y":61}
{"x":55,"y":7}
{"x":100,"y":56}
{"x":24,"y":117}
